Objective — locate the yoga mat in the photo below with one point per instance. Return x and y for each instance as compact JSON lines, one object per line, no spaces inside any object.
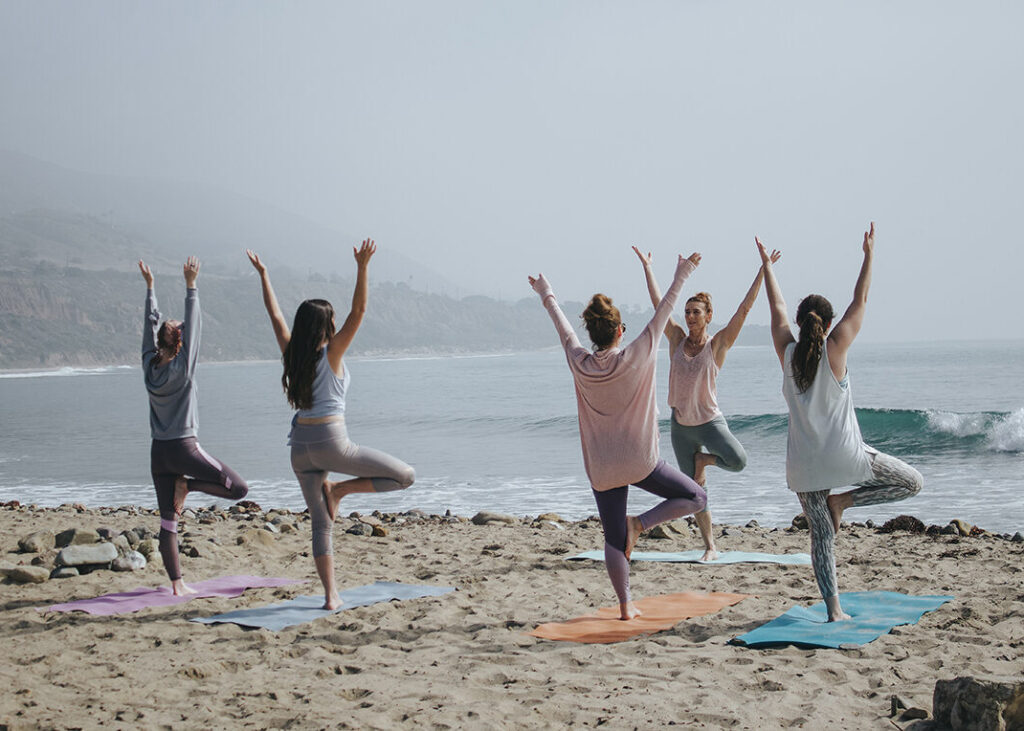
{"x":725,"y":557}
{"x":658,"y":613}
{"x":141,"y":598}
{"x":302,"y":609}
{"x":873,"y":614}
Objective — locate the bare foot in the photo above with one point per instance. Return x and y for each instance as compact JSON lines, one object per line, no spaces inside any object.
{"x":839,"y":617}
{"x":710,"y":554}
{"x":633,"y":530}
{"x":333,"y":602}
{"x":180,"y":493}
{"x":835,"y":509}
{"x":835,"y":612}
{"x":628,"y":611}
{"x":332,"y":504}
{"x":180,"y":588}
{"x":700,"y":462}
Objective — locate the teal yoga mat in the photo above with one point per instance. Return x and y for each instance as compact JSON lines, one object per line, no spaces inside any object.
{"x":873,"y":614}
{"x":302,"y":609}
{"x":725,"y":557}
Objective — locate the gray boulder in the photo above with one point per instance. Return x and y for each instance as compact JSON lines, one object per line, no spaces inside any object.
{"x":83,"y":555}
{"x":148,"y":547}
{"x":972,"y":704}
{"x":131,"y":561}
{"x":485,"y":517}
{"x":76,"y":537}
{"x":37,"y":542}
{"x":29,"y":574}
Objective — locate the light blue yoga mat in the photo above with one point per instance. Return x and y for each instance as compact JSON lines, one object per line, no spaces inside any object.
{"x":787,"y":559}
{"x":873,"y":613}
{"x":302,"y":609}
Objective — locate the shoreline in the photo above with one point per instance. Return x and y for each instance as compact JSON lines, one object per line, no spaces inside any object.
{"x":464,"y":659}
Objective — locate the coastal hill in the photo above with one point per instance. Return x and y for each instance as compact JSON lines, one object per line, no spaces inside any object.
{"x":71,"y":294}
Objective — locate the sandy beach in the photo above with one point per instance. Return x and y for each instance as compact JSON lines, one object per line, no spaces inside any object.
{"x":464,"y":659}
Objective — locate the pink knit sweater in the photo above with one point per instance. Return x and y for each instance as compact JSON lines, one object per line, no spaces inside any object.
{"x":615,"y":396}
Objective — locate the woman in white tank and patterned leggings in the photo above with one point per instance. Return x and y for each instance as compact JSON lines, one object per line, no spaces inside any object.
{"x":316,"y":382}
{"x":825,"y":449}
{"x":700,"y":433}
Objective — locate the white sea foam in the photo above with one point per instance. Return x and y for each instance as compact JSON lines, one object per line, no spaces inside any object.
{"x":1007,"y":434}
{"x":66,"y":371}
{"x":960,"y":425}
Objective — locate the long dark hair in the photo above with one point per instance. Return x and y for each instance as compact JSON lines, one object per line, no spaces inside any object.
{"x":313,"y":325}
{"x":168,"y":340}
{"x":813,"y":316}
{"x":602,"y":319}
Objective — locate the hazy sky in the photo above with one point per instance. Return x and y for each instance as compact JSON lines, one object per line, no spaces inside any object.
{"x":491,"y":140}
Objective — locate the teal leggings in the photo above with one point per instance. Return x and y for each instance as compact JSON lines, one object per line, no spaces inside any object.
{"x":714,"y":437}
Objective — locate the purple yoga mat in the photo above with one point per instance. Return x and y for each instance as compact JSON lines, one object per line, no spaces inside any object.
{"x":133,"y":601}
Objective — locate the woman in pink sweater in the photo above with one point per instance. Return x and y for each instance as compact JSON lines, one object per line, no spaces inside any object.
{"x":618,"y":420}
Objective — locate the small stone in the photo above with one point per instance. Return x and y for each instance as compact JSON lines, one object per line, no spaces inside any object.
{"x":962,"y":528}
{"x":485,"y":517}
{"x":81,"y":555}
{"x":288,"y":528}
{"x":76,"y":537}
{"x":105,"y":534}
{"x":370,"y":520}
{"x":950,"y":530}
{"x":896,"y":704}
{"x":148,"y":547}
{"x":256,"y":536}
{"x":121,"y":544}
{"x":360,"y":529}
{"x":549,"y":525}
{"x":912,"y":714}
{"x":131,"y":536}
{"x":800,"y":522}
{"x":1018,"y":537}
{"x":907,"y":523}
{"x":659,"y":532}
{"x":380,"y":531}
{"x":553,"y":517}
{"x":44,"y":559}
{"x":752,"y":524}
{"x":870,"y":523}
{"x":132,"y":561}
{"x":29,"y":574}
{"x":192,"y":551}
{"x":188,"y":515}
{"x":64,"y":572}
{"x":271,"y":528}
{"x":37,"y":542}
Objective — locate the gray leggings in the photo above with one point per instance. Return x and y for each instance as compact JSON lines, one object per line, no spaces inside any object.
{"x":714,"y":437}
{"x":318,"y":449}
{"x":893,"y":479}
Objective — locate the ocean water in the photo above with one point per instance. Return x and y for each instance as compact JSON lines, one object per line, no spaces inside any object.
{"x":499,"y":432}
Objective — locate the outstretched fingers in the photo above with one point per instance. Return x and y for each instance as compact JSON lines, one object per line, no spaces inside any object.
{"x":255,"y":260}
{"x":645,"y":259}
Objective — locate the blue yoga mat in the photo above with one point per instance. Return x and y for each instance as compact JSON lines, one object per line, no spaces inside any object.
{"x":302,"y":609}
{"x":873,"y":614}
{"x":788,"y":559}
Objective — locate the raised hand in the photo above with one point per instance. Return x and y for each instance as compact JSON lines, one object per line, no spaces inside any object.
{"x":364,"y":252}
{"x":191,"y":271}
{"x":146,"y":273}
{"x":646,"y":260}
{"x":257,"y":263}
{"x":869,"y":240}
{"x":694,"y":258}
{"x":539,"y":283}
{"x":767,"y":258}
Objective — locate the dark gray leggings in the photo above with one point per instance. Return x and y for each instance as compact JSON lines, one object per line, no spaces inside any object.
{"x":318,"y":449}
{"x":892,"y":480}
{"x":170,"y":459}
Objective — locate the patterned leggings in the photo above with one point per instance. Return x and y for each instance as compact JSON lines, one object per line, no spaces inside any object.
{"x":893,"y":480}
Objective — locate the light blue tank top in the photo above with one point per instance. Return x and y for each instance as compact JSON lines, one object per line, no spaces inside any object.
{"x":328,"y":390}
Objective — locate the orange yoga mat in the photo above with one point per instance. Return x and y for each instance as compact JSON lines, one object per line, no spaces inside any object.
{"x":658,"y":613}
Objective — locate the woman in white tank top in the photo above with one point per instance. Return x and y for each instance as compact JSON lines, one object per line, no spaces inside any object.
{"x":700,"y":433}
{"x":825,"y":449}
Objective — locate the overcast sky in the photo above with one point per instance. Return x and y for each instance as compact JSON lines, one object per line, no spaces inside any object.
{"x":492,"y":140}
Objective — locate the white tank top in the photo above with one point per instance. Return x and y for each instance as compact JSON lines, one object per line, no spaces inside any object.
{"x":692,"y":391}
{"x":825,"y":447}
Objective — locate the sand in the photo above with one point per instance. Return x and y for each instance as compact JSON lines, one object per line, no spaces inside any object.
{"x":464,"y":660}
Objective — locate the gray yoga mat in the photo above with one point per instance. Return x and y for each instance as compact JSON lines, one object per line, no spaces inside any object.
{"x":302,"y":609}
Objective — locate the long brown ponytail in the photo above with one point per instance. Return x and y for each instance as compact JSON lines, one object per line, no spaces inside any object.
{"x":813,"y":317}
{"x":313,"y":326}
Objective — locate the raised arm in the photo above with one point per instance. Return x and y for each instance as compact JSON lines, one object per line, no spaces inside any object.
{"x":673,"y":331}
{"x":726,"y":337}
{"x":662,"y":313}
{"x":781,"y":334}
{"x":151,"y":324}
{"x":566,"y":335}
{"x":343,"y":338}
{"x":281,"y":331}
{"x":843,"y":334}
{"x":192,"y":326}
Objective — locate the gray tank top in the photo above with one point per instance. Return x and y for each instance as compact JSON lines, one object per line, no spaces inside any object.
{"x":328,"y":390}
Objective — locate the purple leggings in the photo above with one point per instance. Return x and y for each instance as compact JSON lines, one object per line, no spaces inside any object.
{"x":174,"y":458}
{"x":682,"y":496}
